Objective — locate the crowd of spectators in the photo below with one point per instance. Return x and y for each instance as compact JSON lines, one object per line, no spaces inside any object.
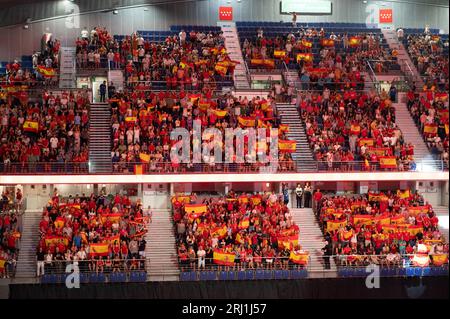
{"x":380,"y":228}
{"x":35,"y":135}
{"x":430,"y":54}
{"x":430,"y":113}
{"x":186,"y":60}
{"x":9,"y":233}
{"x":104,"y":233}
{"x":246,"y":226}
{"x":142,"y":123}
{"x":353,"y":127}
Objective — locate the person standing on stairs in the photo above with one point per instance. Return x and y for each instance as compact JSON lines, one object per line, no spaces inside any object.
{"x":299,"y":195}
{"x":327,"y":252}
{"x":103,"y":92}
{"x":307,"y":193}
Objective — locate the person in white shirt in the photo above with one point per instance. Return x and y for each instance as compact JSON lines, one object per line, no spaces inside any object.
{"x":54,"y":142}
{"x":85,"y":34}
{"x":182,"y":36}
{"x":201,"y":257}
{"x":400,"y":33}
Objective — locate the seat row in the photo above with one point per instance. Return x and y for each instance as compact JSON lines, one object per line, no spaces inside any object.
{"x":260,"y":274}
{"x":134,"y":276}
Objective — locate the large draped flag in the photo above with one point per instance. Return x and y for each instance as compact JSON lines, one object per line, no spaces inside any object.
{"x":100,"y":249}
{"x":182,"y":199}
{"x":347,"y":234}
{"x":399,"y":219}
{"x":307,"y":57}
{"x":376,"y":197}
{"x":430,"y":129}
{"x":269,"y":63}
{"x":195,"y":210}
{"x":243,"y":199}
{"x":112,"y":239}
{"x":382,"y":219}
{"x":327,"y":42}
{"x":31,"y":126}
{"x":130,"y":119}
{"x":378,"y":151}
{"x":300,"y":258}
{"x":335,"y":224}
{"x":388,"y":162}
{"x":287,"y":146}
{"x":221,"y":69}
{"x":246,"y":121}
{"x":223,"y":258}
{"x":417,"y":209}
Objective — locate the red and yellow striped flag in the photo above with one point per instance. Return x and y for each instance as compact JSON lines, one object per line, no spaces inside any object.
{"x":306,"y":44}
{"x":269,"y":63}
{"x":239,"y":239}
{"x":399,"y":219}
{"x":362,"y":219}
{"x":114,"y":218}
{"x":354,"y":42}
{"x":355,"y":129}
{"x":299,"y":258}
{"x":287,"y":241}
{"x":244,"y":223}
{"x":2,"y":264}
{"x":438,"y":260}
{"x":195,"y":208}
{"x":246,"y":121}
{"x":182,"y":199}
{"x":130,"y":119}
{"x":279,"y":54}
{"x":430,"y":128}
{"x":414,"y":229}
{"x":100,"y":249}
{"x":145,"y":158}
{"x":138,"y":169}
{"x":112,"y":239}
{"x":221,"y":69}
{"x":307,"y":57}
{"x":219,"y":231}
{"x":366,"y":141}
{"x":204,"y":105}
{"x":403,"y":194}
{"x":333,"y":224}
{"x":31,"y":126}
{"x":327,"y":42}
{"x":383,"y":220}
{"x":347,"y":234}
{"x":243,"y":199}
{"x":220,"y":113}
{"x":46,"y":72}
{"x":388,"y":162}
{"x":51,"y":239}
{"x":446,"y":128}
{"x":222,"y":258}
{"x":287,"y":146}
{"x":59,"y":222}
{"x":256,"y":200}
{"x":257,"y":62}
{"x":417,"y":209}
{"x":284,"y":128}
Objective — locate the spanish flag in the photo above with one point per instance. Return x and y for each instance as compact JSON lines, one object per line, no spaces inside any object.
{"x":287,"y":146}
{"x":100,"y":249}
{"x":414,"y":230}
{"x":279,"y":54}
{"x":366,"y":141}
{"x":397,"y":219}
{"x":182,"y":199}
{"x":417,"y":209}
{"x":438,"y":260}
{"x":239,"y":239}
{"x":378,"y":151}
{"x":441,"y":96}
{"x":257,"y":62}
{"x":31,"y":126}
{"x":403,"y":194}
{"x":204,"y":105}
{"x":130,"y":119}
{"x":286,"y":241}
{"x":220,"y":113}
{"x":327,"y":42}
{"x":299,"y":258}
{"x":202,"y":226}
{"x":362,"y":219}
{"x":145,"y":158}
{"x":354,"y":42}
{"x":194,"y":97}
{"x":306,"y":44}
{"x":195,"y":208}
{"x":112,"y":239}
{"x":383,"y":220}
{"x":114,"y":218}
{"x":355,"y":205}
{"x":333,"y":225}
{"x":46,"y":72}
{"x":430,"y":128}
{"x":307,"y":57}
{"x":219,"y":231}
{"x":330,"y":210}
{"x":256,"y":200}
{"x":2,"y":264}
{"x":388,"y":162}
{"x":221,"y":69}
{"x":138,"y":169}
{"x":51,"y":239}
{"x":389,"y":228}
{"x":269,"y":63}
{"x":244,"y":223}
{"x":446,"y":128}
{"x":284,"y":128}
{"x":443,"y":113}
{"x":375,"y":197}
{"x":355,"y":129}
{"x":243,"y":199}
{"x":59,"y":222}
{"x":222,"y":258}
{"x":346,"y":235}
{"x":246,"y":121}
{"x":70,"y":206}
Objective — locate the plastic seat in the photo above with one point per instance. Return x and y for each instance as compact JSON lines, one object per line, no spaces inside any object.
{"x":223,"y":275}
{"x":184,"y":276}
{"x":278,"y":274}
{"x":268,"y":274}
{"x":259,"y":275}
{"x":249,"y":274}
{"x":241,"y":275}
{"x":203,"y":275}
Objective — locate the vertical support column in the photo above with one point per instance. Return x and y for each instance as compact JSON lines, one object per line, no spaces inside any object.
{"x":363,"y":187}
{"x":139,"y":190}
{"x":171,"y":190}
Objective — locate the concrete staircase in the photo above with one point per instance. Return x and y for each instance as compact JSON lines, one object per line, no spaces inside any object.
{"x":412,"y":135}
{"x":303,"y":155}
{"x":442,"y":214}
{"x":26,"y":262}
{"x":100,"y":138}
{"x":404,"y":60}
{"x":161,"y":253}
{"x":291,"y":77}
{"x":312,"y":240}
{"x":233,"y":47}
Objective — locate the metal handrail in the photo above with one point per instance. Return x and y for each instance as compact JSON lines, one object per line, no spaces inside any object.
{"x":162,"y":168}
